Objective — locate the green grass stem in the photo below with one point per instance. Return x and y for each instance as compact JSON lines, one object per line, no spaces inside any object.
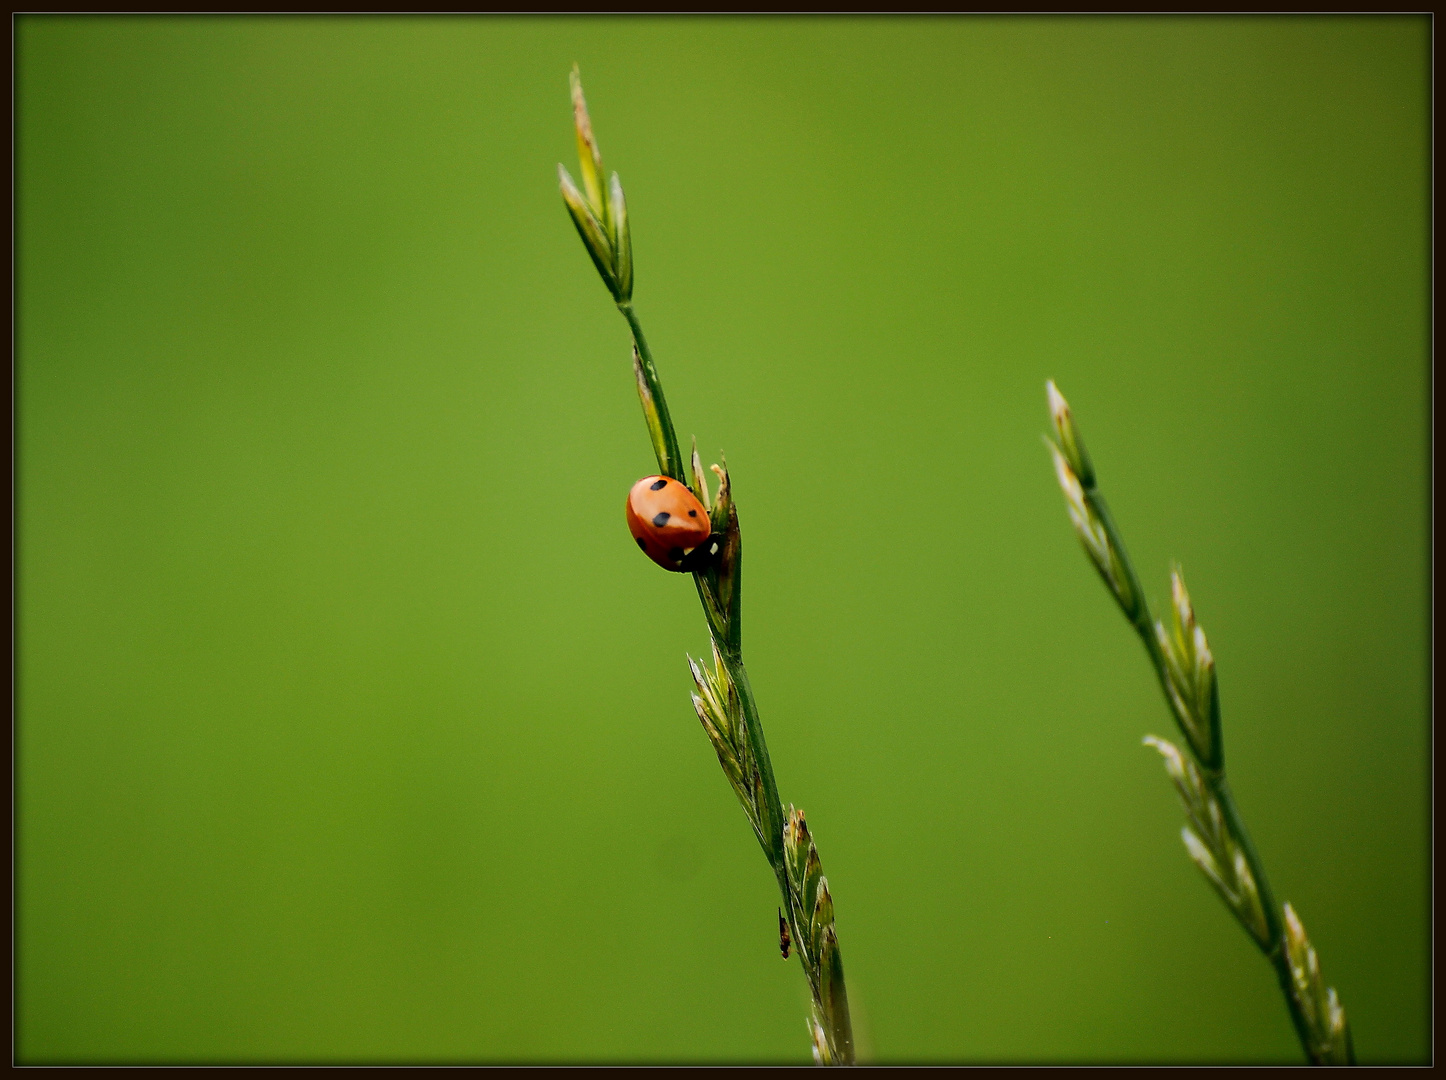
{"x":724,"y":697}
{"x":1216,"y":837}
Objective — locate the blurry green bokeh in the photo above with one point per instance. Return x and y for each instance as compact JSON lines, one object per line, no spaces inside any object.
{"x":352,"y":726}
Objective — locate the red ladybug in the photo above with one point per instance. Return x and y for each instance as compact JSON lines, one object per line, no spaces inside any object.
{"x":667,"y":521}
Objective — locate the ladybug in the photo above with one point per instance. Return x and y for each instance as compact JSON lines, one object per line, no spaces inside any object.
{"x":669,"y":523}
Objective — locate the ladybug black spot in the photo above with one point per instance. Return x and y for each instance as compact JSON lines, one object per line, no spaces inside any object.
{"x":658,"y":485}
{"x":661,"y":519}
{"x":640,"y":543}
{"x":692,"y":513}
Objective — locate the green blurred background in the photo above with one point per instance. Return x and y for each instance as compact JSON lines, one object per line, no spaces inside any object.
{"x":353,"y":727}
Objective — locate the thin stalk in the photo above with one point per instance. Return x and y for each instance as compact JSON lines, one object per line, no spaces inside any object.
{"x":724,"y":699}
{"x":670,"y":458}
{"x":1187,"y":679}
{"x":772,"y":806}
{"x":771,"y":838}
{"x":732,"y":655}
{"x":1144,"y":625}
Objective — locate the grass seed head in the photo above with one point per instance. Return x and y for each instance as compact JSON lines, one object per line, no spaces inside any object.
{"x":1068,"y":437}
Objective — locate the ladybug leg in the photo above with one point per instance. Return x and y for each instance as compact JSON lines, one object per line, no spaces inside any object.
{"x":702,"y":556}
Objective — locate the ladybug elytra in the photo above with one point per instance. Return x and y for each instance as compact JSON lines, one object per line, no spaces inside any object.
{"x":668,"y":522}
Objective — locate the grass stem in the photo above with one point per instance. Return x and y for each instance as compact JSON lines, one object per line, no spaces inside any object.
{"x":724,"y":699}
{"x":1215,"y":837}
